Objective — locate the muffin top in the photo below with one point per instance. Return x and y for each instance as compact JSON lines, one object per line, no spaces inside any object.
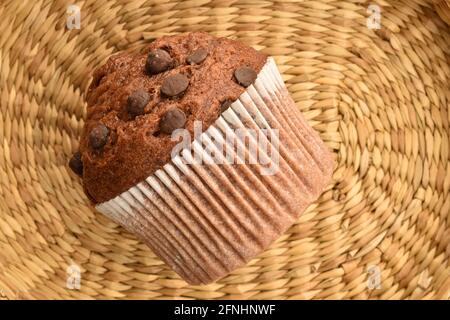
{"x":136,"y":100}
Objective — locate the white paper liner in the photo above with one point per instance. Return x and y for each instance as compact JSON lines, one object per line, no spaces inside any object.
{"x":205,"y":220}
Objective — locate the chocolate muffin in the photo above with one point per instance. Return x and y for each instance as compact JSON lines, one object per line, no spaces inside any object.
{"x":195,"y":146}
{"x":136,"y":100}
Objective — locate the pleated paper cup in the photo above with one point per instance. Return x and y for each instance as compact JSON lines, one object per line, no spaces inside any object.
{"x":235,"y":189}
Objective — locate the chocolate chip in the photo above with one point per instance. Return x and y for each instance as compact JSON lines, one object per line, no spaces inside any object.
{"x":137,"y":101}
{"x":173,"y":119}
{"x":174,"y":85}
{"x":198,"y":56}
{"x":98,"y":136}
{"x":76,"y":164}
{"x":245,"y":76}
{"x":225,"y":105}
{"x":158,"y":61}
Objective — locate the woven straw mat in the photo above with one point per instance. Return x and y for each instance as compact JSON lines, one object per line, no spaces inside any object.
{"x":379,"y":98}
{"x":443,"y":8}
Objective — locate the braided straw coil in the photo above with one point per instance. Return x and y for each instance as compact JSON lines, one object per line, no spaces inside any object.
{"x":378,"y":97}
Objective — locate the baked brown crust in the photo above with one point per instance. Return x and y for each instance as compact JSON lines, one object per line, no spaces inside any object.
{"x":136,"y":147}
